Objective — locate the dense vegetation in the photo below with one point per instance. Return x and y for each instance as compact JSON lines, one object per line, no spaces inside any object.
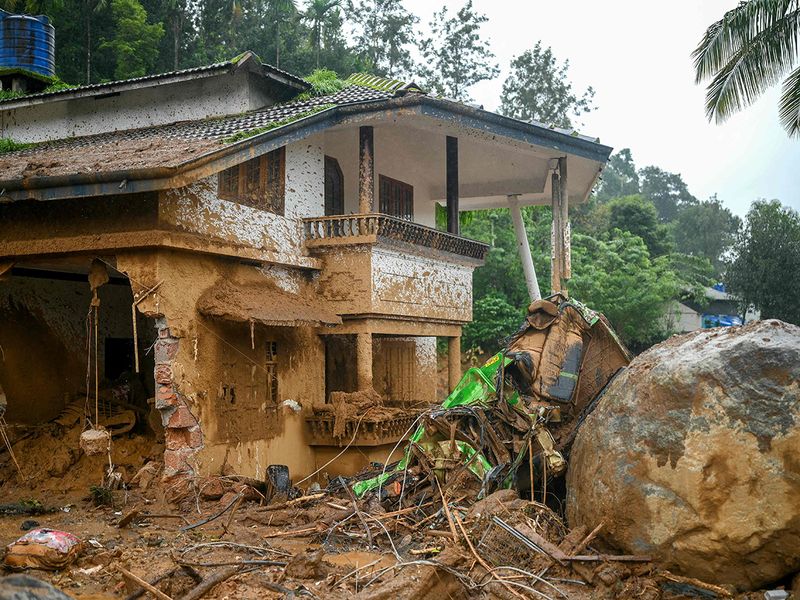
{"x":641,"y":241}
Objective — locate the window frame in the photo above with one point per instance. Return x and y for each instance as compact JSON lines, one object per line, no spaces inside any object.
{"x":396,"y":198}
{"x":269,"y":191}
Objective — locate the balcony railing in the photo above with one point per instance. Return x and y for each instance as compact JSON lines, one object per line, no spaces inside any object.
{"x":363,"y":228}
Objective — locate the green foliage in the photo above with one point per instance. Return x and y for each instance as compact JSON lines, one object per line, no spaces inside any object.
{"x":764,"y":270}
{"x":384,"y":33}
{"x":637,"y":215}
{"x":101,"y":495}
{"x":538,"y":90}
{"x":9,"y":145}
{"x":135,"y":42}
{"x":323,"y":83}
{"x":707,"y":229}
{"x":617,"y":277}
{"x":10,"y":94}
{"x":494,"y":319}
{"x":619,"y":177}
{"x":748,"y":51}
{"x":667,"y":190}
{"x":455,"y":56}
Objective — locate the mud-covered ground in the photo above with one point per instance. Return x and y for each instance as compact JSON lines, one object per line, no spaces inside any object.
{"x":318,"y":548}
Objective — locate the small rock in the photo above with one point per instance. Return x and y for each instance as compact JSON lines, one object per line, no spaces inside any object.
{"x":28,"y":524}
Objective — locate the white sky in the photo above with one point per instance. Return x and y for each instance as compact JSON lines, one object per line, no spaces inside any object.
{"x":636,"y":55}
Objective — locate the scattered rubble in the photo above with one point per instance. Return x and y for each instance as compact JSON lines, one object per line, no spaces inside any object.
{"x":692,"y":456}
{"x":474,"y":508}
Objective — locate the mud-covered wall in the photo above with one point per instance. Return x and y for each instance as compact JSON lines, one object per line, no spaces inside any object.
{"x":404,"y":369}
{"x":201,"y":360}
{"x":153,"y":105}
{"x":379,"y":279}
{"x":420,"y":286}
{"x":43,"y":341}
{"x":198,"y":209}
{"x":59,"y":221}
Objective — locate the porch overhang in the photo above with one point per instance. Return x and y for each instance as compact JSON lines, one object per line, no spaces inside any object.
{"x":264,"y":304}
{"x":446,"y":116}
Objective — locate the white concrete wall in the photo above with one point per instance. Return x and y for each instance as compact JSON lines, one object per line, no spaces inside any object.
{"x":198,"y":209}
{"x":420,"y":286}
{"x":154,"y":105}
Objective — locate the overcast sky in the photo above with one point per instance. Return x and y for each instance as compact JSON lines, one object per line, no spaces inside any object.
{"x":636,"y":55}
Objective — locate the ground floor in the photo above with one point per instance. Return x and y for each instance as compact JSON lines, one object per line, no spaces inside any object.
{"x":233,"y":366}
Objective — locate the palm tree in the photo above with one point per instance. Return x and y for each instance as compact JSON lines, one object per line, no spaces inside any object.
{"x":280,"y":9}
{"x":316,"y":11}
{"x":750,"y":49}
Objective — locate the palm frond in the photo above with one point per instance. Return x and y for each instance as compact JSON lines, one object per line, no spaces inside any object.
{"x":789,"y":104}
{"x":737,"y":28}
{"x":756,"y":64}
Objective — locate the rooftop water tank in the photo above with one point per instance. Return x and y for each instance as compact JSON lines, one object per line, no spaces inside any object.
{"x":27,"y":43}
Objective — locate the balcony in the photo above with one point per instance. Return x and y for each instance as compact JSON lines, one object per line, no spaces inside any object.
{"x":346,"y":230}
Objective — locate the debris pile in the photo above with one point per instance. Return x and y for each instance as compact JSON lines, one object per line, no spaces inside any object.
{"x":475,"y":506}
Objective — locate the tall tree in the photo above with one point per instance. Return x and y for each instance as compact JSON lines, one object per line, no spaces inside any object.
{"x":538,"y":89}
{"x":637,"y":215}
{"x":747,"y":51}
{"x":764,"y":270}
{"x":668,"y":191}
{"x":134,"y":45}
{"x":456,"y":58}
{"x":384,"y":32}
{"x":707,"y":229}
{"x":280,"y":11}
{"x":619,"y":177}
{"x":317,"y":14}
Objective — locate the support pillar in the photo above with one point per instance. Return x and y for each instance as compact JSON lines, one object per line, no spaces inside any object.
{"x":453,"y":361}
{"x":364,"y":360}
{"x":524,"y":249}
{"x":560,"y":260}
{"x":366,"y":170}
{"x":452,"y":185}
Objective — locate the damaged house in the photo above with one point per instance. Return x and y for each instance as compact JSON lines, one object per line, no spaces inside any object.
{"x":232,"y":248}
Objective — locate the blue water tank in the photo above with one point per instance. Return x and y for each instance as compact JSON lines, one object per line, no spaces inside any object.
{"x":28,"y":43}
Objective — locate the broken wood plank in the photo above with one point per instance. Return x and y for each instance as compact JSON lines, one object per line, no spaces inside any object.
{"x":210,"y":582}
{"x":609,"y":558}
{"x":291,"y":503}
{"x":143,"y":584}
{"x":720,"y":591}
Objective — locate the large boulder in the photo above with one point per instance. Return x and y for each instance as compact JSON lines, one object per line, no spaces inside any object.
{"x":693,"y":456}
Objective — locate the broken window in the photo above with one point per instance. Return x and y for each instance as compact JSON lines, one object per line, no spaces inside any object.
{"x":271,"y":367}
{"x":258,"y":182}
{"x":396,"y":198}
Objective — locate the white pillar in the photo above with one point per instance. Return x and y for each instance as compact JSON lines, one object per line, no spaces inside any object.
{"x":524,"y":249}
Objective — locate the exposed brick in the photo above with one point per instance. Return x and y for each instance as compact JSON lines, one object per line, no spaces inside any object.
{"x":178,"y":461}
{"x":165,"y":350}
{"x":182,"y":418}
{"x":163,"y":332}
{"x":176,"y":439}
{"x":163,"y":374}
{"x":166,"y":399}
{"x":195,"y":437}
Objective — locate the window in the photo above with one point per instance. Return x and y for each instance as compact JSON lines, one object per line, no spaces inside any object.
{"x":271,"y":366}
{"x":259,"y":182}
{"x":334,"y":187}
{"x":396,"y":198}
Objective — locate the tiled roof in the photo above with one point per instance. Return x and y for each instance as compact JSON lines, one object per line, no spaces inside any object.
{"x":182,"y":73}
{"x":174,"y":144}
{"x":191,"y":137}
